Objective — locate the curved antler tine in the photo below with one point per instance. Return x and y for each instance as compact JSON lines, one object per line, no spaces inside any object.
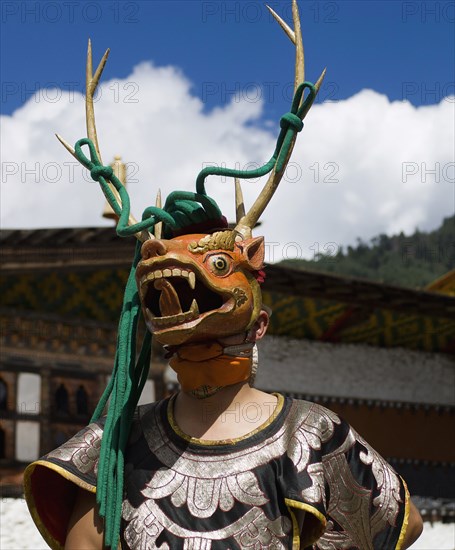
{"x":67,"y":146}
{"x":239,"y":204}
{"x":316,"y":86}
{"x":287,"y":29}
{"x":91,"y":83}
{"x":295,"y":37}
{"x":299,"y":53}
{"x":320,"y":79}
{"x":242,"y":226}
{"x":158,"y":226}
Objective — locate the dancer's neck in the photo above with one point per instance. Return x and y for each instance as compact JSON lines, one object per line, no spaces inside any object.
{"x":233,"y":412}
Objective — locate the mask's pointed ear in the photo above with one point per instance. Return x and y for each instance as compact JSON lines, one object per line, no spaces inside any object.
{"x":253,"y":252}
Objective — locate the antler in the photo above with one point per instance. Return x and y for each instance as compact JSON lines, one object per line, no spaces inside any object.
{"x":239,"y":204}
{"x":158,"y":229}
{"x":249,"y":220}
{"x":91,"y":83}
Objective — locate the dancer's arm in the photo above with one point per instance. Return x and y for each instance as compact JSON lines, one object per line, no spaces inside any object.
{"x":85,"y":528}
{"x":415,"y":526}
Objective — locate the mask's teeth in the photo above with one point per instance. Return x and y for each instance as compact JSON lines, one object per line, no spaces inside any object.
{"x":172,"y":320}
{"x":192,"y":280}
{"x":194,"y":308}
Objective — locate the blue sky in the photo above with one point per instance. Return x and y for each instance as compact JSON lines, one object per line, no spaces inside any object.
{"x":404,"y":49}
{"x":191,"y":83}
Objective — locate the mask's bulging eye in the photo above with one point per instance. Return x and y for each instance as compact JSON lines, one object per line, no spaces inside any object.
{"x":219,"y":264}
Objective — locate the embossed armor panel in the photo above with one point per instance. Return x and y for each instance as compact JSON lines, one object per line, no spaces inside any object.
{"x":182,"y":493}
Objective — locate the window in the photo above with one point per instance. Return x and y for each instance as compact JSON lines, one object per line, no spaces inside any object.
{"x":3,"y":395}
{"x":2,"y":443}
{"x":61,"y":400}
{"x":81,"y":401}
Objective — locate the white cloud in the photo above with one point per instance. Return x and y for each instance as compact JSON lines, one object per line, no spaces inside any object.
{"x":361,"y":166}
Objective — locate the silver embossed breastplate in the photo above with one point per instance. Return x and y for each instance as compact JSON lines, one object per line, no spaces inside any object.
{"x":248,"y":493}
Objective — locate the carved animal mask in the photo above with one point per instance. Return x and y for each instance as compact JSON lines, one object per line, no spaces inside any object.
{"x":200,"y":287}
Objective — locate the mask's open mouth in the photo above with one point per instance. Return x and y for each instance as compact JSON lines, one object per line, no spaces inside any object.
{"x":173,"y":296}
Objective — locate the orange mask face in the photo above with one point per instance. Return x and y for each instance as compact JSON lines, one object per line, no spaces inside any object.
{"x":195,"y":288}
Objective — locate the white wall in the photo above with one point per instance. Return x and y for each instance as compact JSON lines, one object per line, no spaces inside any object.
{"x":355,"y":371}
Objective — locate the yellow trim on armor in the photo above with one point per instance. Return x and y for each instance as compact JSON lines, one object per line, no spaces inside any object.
{"x":404,"y":526}
{"x":290,"y":503}
{"x":208,"y":442}
{"x":295,"y":529}
{"x":53,"y":543}
{"x":67,"y":475}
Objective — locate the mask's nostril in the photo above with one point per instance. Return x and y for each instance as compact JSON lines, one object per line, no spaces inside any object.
{"x":153,"y":248}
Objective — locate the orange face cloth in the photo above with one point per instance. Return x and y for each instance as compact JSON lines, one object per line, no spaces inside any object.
{"x":199,"y":365}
